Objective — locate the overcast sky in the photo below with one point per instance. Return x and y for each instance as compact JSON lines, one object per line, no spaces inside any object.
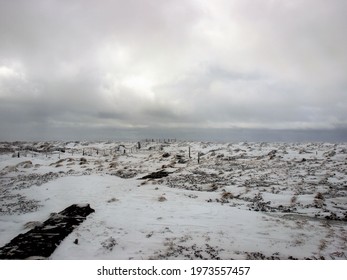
{"x":71,"y":68}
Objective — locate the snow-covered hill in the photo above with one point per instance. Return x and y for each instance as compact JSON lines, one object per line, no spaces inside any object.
{"x":225,"y":201}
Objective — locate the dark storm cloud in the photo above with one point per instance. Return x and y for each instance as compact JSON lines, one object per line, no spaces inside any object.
{"x":104,"y":65}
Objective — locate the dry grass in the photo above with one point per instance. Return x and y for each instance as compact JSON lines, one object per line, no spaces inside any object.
{"x":162,"y":198}
{"x":322,"y":244}
{"x":113,"y":199}
{"x":319,"y":195}
{"x":227,"y":195}
{"x":293,"y":200}
{"x":213,"y":187}
{"x":319,"y":200}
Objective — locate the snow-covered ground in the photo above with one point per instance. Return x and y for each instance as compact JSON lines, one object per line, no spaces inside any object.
{"x":241,"y":201}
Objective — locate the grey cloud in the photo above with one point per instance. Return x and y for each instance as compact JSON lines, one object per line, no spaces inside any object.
{"x":109,"y":115}
{"x":136,"y":64}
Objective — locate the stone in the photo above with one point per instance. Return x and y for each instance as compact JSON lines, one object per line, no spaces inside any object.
{"x":41,"y":241}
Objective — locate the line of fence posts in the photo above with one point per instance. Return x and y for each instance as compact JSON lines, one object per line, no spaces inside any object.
{"x":161,"y":140}
{"x":189,"y":154}
{"x":132,"y":149}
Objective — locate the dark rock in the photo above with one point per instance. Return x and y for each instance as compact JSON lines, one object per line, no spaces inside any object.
{"x":156,"y":175}
{"x":41,"y":241}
